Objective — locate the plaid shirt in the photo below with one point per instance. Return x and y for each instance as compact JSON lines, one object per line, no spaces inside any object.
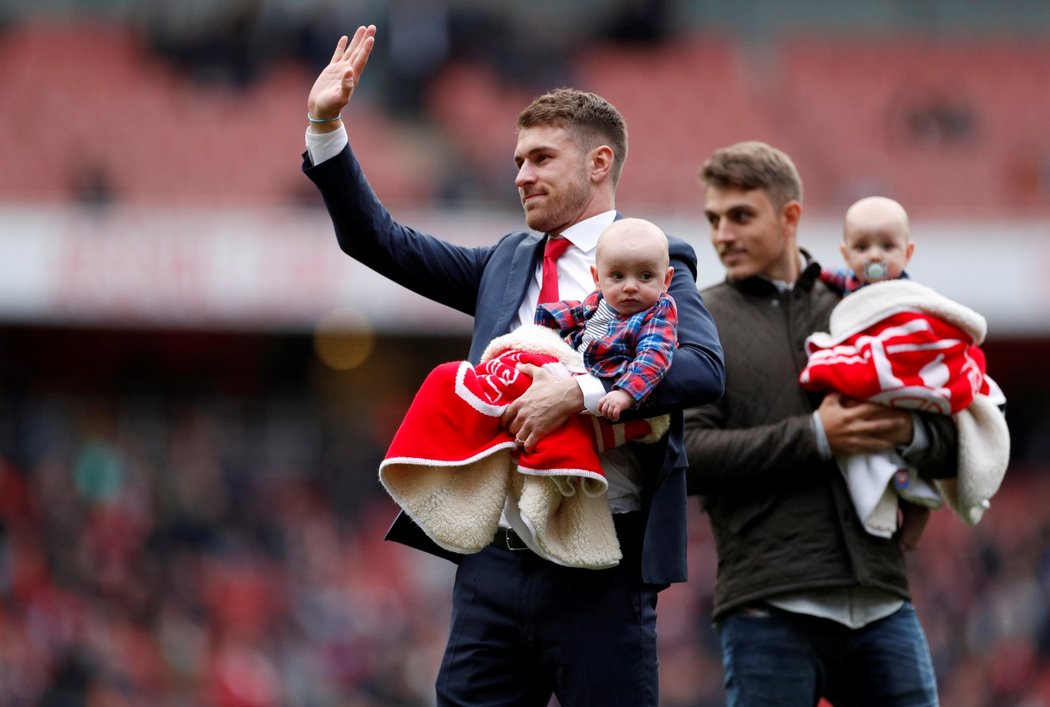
{"x":636,"y":350}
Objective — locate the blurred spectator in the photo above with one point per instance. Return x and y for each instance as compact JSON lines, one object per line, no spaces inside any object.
{"x":640,"y":22}
{"x":226,"y":44}
{"x":932,"y":121}
{"x":417,"y":48}
{"x":91,"y":184}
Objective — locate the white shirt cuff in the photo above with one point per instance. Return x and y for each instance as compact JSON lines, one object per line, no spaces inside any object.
{"x":592,"y":390}
{"x":325,"y":146}
{"x":822,"y":438}
{"x":920,"y":439}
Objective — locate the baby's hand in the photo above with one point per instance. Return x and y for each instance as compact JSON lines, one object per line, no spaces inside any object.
{"x":613,"y":403}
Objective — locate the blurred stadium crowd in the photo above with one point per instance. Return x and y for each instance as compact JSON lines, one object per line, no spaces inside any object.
{"x":179,"y":530}
{"x":193,"y":518}
{"x":940,"y":100}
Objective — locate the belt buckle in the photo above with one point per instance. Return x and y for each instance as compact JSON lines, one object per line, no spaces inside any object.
{"x":508,"y":536}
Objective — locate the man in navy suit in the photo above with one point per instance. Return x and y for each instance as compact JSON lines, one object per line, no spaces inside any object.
{"x":524,"y":628}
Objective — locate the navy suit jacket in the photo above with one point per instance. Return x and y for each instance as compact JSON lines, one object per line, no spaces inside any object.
{"x":489,"y":283}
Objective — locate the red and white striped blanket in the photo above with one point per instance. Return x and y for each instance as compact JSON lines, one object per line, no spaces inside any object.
{"x":902,"y":344}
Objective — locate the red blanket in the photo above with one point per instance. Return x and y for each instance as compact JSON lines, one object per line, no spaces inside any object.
{"x":452,"y":467}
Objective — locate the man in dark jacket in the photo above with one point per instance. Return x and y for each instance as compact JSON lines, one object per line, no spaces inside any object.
{"x":807,"y":604}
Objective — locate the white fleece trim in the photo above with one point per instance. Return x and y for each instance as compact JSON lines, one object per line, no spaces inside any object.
{"x":876,"y":301}
{"x":536,"y":339}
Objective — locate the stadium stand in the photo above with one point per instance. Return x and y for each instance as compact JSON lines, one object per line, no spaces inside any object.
{"x":158,"y":137}
{"x":951,"y":123}
{"x":681,"y":100}
{"x":939,"y":123}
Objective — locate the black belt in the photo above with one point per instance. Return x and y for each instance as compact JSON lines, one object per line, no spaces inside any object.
{"x":627,"y":527}
{"x":507,"y":539}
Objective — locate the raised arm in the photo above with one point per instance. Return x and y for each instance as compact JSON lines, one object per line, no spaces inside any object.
{"x":335,"y":84}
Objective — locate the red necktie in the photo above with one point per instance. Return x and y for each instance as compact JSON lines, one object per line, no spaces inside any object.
{"x":554,"y":249}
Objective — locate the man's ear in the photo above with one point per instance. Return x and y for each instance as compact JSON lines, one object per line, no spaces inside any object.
{"x":791,"y":213}
{"x":601,"y":163}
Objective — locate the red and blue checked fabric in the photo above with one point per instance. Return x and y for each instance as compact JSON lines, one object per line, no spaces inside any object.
{"x":637,"y":350}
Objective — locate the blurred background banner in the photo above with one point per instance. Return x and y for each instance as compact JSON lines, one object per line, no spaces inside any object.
{"x":197,"y":386}
{"x":279,"y":269}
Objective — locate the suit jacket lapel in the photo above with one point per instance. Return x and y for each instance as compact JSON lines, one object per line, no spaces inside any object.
{"x":522,"y":268}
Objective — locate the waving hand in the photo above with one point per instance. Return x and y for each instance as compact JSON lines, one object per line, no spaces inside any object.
{"x":335,"y":85}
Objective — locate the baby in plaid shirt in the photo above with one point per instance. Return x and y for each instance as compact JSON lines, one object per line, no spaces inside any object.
{"x":627,"y":329}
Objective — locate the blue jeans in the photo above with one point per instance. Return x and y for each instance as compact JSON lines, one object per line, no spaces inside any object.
{"x":781,"y":659}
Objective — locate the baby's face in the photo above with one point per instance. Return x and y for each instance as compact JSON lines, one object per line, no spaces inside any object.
{"x":877,"y":254}
{"x":632,"y":280}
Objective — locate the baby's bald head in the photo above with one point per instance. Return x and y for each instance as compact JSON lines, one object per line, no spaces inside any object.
{"x":632,"y":266}
{"x":634,"y":236}
{"x":876,"y":214}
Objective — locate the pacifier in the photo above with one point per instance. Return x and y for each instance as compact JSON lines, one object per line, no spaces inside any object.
{"x":874,"y":271}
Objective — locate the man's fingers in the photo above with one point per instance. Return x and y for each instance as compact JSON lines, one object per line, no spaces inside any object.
{"x":862,"y":445}
{"x":357,"y":64}
{"x":349,"y":80}
{"x":529,"y":369}
{"x":354,"y":43}
{"x":522,"y":437}
{"x":509,"y":417}
{"x":340,"y":47}
{"x":525,"y":442}
{"x":360,"y":58}
{"x":363,"y":39}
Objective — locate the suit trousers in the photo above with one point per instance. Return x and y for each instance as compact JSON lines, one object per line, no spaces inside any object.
{"x":524,"y":628}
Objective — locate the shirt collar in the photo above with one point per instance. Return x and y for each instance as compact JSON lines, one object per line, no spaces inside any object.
{"x":809,"y":273}
{"x":584,"y":235}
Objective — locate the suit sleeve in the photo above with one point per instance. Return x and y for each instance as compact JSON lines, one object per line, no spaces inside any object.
{"x":366,"y":231}
{"x":747,"y":457}
{"x":940,"y":460}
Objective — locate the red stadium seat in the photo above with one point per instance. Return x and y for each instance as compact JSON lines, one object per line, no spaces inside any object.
{"x":161,"y":138}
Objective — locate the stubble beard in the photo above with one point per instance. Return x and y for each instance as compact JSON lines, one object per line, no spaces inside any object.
{"x":560,"y":212}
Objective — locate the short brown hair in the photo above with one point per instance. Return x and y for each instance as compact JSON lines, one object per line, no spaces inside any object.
{"x":754,"y":165}
{"x":590,"y":119}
